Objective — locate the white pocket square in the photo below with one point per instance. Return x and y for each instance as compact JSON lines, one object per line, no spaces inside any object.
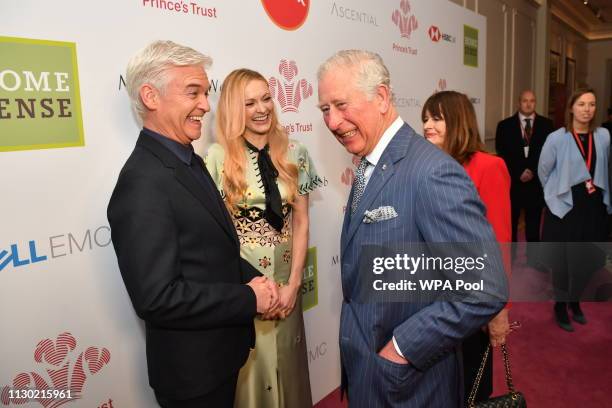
{"x":383,"y":213}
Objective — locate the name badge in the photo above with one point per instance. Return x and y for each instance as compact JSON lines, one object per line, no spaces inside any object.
{"x":526,"y":150}
{"x":590,"y":188}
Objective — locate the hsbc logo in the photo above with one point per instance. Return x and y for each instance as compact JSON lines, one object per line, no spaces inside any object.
{"x":436,"y":35}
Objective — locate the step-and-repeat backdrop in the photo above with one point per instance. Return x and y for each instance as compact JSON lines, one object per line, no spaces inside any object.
{"x":66,"y":130}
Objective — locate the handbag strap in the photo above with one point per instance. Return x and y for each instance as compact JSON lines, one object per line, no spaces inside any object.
{"x":478,"y":378}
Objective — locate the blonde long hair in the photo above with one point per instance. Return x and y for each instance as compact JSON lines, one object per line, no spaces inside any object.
{"x":230,"y":129}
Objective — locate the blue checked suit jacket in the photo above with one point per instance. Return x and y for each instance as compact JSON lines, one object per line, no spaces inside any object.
{"x":436,"y":202}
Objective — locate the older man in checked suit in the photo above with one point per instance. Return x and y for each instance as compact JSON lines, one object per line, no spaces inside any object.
{"x":398,"y":354}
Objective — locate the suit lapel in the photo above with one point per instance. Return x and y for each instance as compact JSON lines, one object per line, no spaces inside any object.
{"x":383,"y":172}
{"x":518,"y":131}
{"x":347,"y":220}
{"x":184,"y":176}
{"x":188,"y":180}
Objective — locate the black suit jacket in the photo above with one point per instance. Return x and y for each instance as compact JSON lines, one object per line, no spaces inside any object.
{"x":179,"y":257}
{"x":509,"y":146}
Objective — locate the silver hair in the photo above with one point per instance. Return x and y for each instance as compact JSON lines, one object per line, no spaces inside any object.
{"x":150,"y":66}
{"x":371,"y":70}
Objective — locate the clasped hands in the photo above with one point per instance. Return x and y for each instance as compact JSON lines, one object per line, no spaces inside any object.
{"x":273,"y":302}
{"x":526,"y":176}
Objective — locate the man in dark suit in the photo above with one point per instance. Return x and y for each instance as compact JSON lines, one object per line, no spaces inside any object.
{"x":519,"y":140}
{"x":177,"y":249}
{"x":406,"y":190}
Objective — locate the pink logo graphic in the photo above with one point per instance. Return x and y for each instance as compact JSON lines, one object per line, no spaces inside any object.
{"x":441,"y":85}
{"x":407,"y":23}
{"x":434,"y":33}
{"x":63,"y":372}
{"x":348,"y":175}
{"x":287,"y":92}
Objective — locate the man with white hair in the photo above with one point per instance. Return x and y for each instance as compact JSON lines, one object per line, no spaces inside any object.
{"x":406,"y":190}
{"x":177,"y":249}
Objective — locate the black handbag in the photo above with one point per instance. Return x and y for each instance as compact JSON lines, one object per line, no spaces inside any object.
{"x":513,"y":399}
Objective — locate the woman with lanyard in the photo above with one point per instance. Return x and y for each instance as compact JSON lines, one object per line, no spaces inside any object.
{"x":265,"y":178}
{"x":573,"y":169}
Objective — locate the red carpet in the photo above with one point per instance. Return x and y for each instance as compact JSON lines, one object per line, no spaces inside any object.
{"x":553,"y":368}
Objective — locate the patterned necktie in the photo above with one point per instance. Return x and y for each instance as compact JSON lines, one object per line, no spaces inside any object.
{"x":359,"y":183}
{"x":528,"y":130}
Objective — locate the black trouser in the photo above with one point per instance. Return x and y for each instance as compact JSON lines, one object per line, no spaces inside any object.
{"x":533,"y":215}
{"x":220,"y":397}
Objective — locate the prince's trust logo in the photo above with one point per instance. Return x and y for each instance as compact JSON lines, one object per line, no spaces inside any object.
{"x":286,"y":91}
{"x":407,"y":23}
{"x":402,"y":18}
{"x":62,"y":373}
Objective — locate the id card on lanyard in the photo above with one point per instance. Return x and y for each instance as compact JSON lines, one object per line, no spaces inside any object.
{"x":590,"y":187}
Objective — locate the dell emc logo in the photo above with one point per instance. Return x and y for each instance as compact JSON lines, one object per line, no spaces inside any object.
{"x":14,"y":256}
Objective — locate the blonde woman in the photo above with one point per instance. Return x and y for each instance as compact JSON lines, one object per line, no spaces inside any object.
{"x":265,"y":179}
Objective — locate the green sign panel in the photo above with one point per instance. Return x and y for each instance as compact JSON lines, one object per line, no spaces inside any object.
{"x":40,"y":103}
{"x":310,"y":283}
{"x":470,"y":46}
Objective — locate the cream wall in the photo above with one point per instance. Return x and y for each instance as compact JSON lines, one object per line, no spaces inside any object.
{"x":569,"y":44}
{"x":599,"y":74}
{"x":520,"y":36}
{"x":513,"y":44}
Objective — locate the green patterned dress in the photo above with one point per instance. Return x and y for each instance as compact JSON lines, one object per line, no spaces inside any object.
{"x":276,"y":373}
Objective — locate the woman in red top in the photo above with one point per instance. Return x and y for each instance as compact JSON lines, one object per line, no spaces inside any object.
{"x":449,"y":122}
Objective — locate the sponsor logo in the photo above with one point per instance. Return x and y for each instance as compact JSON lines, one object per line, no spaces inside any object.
{"x":353,"y":15}
{"x":62,"y":372}
{"x":407,"y":23}
{"x":470,"y":46}
{"x":441,"y":85}
{"x":317,"y":352}
{"x":406,"y":101}
{"x":288,"y":92}
{"x":181,"y":7}
{"x":57,"y":246}
{"x":287,"y":14}
{"x":40,"y":103}
{"x":436,"y":35}
{"x":310,"y":282}
{"x":214,"y":84}
{"x":474,"y":100}
{"x":348,"y":175}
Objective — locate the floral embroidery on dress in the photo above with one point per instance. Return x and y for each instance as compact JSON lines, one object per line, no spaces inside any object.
{"x":254,"y":230}
{"x":264,"y":262}
{"x":287,"y":256}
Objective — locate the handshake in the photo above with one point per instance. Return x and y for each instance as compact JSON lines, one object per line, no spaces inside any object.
{"x":273,"y":302}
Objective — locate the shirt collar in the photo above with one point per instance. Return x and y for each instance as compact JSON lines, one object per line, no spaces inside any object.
{"x":523,"y":117}
{"x":384,"y":141}
{"x":183,"y":152}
